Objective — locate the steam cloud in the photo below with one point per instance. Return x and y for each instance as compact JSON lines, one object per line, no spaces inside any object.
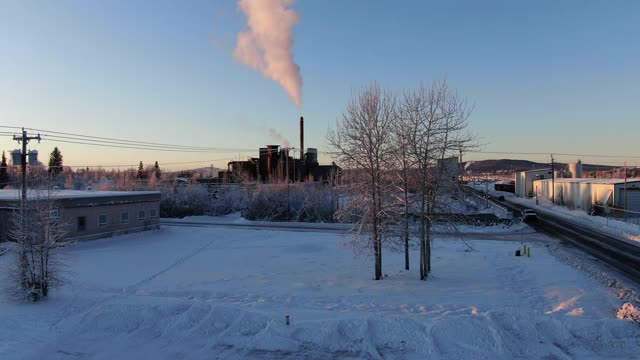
{"x":275,"y":135}
{"x":266,"y":45}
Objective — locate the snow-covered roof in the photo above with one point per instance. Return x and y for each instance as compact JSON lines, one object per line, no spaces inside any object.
{"x":593,"y":180}
{"x":70,"y":194}
{"x":536,"y":170}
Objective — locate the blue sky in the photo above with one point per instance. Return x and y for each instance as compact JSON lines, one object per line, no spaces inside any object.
{"x":545,"y":76}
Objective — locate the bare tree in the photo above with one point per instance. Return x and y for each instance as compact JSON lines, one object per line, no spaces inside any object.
{"x":405,"y":163}
{"x":38,"y":230}
{"x":362,"y":142}
{"x":436,"y":121}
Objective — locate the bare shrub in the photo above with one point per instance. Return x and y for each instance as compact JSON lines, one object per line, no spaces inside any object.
{"x":38,"y":231}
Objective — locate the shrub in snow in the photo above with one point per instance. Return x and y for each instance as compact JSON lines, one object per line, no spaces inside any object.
{"x":302,"y":202}
{"x":227,"y":199}
{"x":38,"y":231}
{"x":190,"y":200}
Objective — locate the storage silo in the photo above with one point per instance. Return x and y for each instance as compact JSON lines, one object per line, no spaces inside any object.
{"x":33,"y":157}
{"x":15,"y":157}
{"x":312,"y":155}
{"x":576,"y":169}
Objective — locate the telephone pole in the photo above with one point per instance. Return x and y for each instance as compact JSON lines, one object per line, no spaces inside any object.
{"x":24,"y":139}
{"x":553,"y":182}
{"x":625,"y":190}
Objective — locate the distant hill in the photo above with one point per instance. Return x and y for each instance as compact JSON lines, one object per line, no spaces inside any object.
{"x":504,"y":166}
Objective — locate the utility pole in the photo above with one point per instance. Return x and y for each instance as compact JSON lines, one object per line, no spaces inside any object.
{"x":625,"y":190}
{"x":553,"y":183}
{"x":486,"y":190}
{"x":24,"y":139}
{"x":461,"y":169}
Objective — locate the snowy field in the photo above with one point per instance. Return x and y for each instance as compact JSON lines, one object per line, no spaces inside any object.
{"x":210,"y":293}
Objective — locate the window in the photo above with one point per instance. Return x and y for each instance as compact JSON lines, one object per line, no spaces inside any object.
{"x":124,"y":217}
{"x":82,"y":223}
{"x":152,"y":213}
{"x":102,"y":220}
{"x":141,"y":215}
{"x":54,"y":214}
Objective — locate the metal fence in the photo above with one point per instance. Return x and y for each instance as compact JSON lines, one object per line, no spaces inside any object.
{"x":632,"y":217}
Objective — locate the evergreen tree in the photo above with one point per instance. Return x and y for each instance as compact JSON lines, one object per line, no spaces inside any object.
{"x":141,"y":173}
{"x":4,"y":177}
{"x":156,"y":168}
{"x":55,"y":162}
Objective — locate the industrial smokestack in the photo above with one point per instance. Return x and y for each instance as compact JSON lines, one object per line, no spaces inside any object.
{"x":301,"y":138}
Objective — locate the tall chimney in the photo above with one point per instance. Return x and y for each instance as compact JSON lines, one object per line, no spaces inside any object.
{"x":301,"y":138}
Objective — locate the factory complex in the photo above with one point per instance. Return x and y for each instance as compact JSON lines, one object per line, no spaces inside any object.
{"x":593,"y":195}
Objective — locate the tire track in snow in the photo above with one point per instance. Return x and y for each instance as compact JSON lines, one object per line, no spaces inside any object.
{"x":129,"y":290}
{"x":132,"y":288}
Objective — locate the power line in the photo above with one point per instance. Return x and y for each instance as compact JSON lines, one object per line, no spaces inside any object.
{"x":102,"y":139}
{"x":135,"y":165}
{"x":554,"y":153}
{"x":147,"y":148}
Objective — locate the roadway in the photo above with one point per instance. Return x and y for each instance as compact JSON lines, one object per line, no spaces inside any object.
{"x":346,"y":228}
{"x":621,"y":255}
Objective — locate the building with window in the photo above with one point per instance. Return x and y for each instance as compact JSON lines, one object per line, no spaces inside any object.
{"x":91,"y":214}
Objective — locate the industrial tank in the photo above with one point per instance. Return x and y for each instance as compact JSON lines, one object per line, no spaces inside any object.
{"x":576,"y":169}
{"x":312,"y":155}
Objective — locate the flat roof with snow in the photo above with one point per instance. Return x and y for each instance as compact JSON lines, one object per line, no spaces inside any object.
{"x":12,"y":195}
{"x":593,"y":180}
{"x":536,"y":170}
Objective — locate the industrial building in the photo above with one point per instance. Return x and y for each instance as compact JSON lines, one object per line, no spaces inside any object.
{"x":586,"y":194}
{"x":91,"y":214}
{"x":274,"y":163}
{"x":524,"y":181}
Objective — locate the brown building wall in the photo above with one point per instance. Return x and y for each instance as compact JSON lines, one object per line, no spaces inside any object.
{"x":114,"y":224}
{"x":91,"y":208}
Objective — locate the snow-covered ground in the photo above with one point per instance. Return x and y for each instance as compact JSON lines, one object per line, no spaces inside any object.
{"x":219,"y":293}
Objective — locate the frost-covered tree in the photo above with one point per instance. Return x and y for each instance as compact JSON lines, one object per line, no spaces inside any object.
{"x":362,"y":142}
{"x":403,"y":177}
{"x":38,"y":230}
{"x":436,"y":122}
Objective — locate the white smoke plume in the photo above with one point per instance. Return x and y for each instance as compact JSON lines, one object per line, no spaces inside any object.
{"x":276,"y":136}
{"x":266,"y":45}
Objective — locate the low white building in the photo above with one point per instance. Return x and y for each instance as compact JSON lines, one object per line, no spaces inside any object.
{"x":585,"y":193}
{"x":524,"y":181}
